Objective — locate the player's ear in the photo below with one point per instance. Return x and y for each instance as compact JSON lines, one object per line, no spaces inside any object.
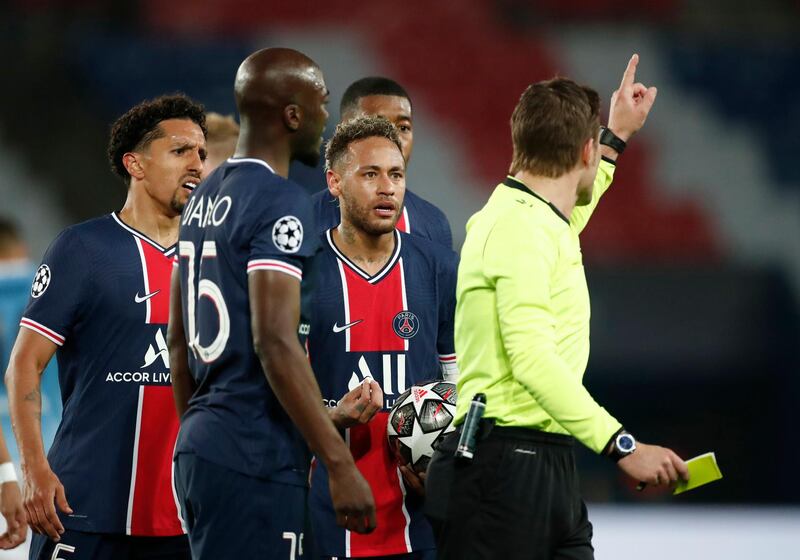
{"x":133,"y":165}
{"x":292,"y":117}
{"x":588,"y":152}
{"x":334,"y":182}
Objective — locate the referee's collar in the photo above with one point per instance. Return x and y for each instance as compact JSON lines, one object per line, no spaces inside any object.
{"x":520,"y":186}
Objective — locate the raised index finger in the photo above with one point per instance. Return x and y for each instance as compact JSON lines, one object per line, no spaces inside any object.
{"x":629,"y":77}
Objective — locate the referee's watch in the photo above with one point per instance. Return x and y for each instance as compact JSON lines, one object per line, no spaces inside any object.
{"x":622,"y":445}
{"x":608,"y":138}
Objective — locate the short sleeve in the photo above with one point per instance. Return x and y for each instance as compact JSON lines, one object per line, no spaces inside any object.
{"x":285,"y":236}
{"x":55,"y":297}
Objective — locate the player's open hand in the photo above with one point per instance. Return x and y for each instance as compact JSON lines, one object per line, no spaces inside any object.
{"x":631,"y":103}
{"x":14,"y":514}
{"x":359,"y":405}
{"x":352,"y":499}
{"x":42,"y":493}
{"x":654,"y":465}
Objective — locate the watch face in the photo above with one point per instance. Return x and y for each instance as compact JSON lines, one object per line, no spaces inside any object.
{"x":626,"y":443}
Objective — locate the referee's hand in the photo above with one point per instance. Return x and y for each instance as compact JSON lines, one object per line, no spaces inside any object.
{"x":654,"y":465}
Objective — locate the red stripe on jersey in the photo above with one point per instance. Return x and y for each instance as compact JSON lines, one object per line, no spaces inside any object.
{"x":50,"y":334}
{"x":157,"y":269}
{"x":375,"y":306}
{"x":404,"y":224}
{"x":379,"y":467}
{"x":153,"y":510}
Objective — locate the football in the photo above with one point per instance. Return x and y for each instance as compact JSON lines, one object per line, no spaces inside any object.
{"x":421,"y":417}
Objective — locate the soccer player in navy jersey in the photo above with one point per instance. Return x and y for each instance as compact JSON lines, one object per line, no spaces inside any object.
{"x":382,"y":97}
{"x":238,"y":324}
{"x":100,"y":302}
{"x":383,"y":310}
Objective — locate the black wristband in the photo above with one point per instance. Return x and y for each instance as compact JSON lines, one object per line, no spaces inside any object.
{"x":608,"y":138}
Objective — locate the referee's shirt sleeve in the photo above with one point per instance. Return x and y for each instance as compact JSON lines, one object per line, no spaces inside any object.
{"x":519,"y":258}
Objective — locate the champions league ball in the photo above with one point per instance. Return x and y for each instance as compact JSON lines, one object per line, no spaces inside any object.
{"x":420,"y":418}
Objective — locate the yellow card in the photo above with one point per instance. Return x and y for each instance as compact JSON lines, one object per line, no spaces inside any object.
{"x":702,"y":470}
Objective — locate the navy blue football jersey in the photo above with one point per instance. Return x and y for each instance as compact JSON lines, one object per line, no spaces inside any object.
{"x":396,"y":327}
{"x":419,"y":217}
{"x":101,"y":295}
{"x":241,"y":219}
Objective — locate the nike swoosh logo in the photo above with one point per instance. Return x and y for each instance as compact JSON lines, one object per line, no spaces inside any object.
{"x":139,"y":299}
{"x":337,"y":328}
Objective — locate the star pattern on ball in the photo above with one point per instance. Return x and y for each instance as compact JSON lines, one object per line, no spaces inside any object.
{"x":419,"y":442}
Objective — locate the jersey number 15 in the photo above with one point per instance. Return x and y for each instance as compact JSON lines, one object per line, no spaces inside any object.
{"x":205,"y":288}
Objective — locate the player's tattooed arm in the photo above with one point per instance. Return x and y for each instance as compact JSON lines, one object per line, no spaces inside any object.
{"x":358,"y":406}
{"x":42,"y":490}
{"x":183,"y":385}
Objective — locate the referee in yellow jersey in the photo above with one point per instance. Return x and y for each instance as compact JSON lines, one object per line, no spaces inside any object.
{"x":522,"y":339}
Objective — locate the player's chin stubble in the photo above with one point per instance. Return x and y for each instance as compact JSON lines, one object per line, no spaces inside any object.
{"x":359,"y":216}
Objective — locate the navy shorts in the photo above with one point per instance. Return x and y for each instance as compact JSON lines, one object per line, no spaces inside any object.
{"x":232,"y":516}
{"x":77,"y":545}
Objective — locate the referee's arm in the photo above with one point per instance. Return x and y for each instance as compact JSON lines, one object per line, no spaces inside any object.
{"x":527,"y":329}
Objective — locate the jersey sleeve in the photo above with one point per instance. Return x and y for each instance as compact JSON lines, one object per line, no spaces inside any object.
{"x":447,"y":306}
{"x":56,"y":290}
{"x":581,"y":214}
{"x":285,"y":237}
{"x":519,"y":259}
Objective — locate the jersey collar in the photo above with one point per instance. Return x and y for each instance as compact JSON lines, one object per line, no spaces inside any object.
{"x":358,"y":270}
{"x":136,"y":233}
{"x":251,"y":160}
{"x":513,"y":183}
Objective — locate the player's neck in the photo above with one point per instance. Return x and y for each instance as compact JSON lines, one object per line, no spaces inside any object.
{"x":276,"y":154}
{"x":370,"y":252}
{"x":562,"y":191}
{"x":144,"y":214}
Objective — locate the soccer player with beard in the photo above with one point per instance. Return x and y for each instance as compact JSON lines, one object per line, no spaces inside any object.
{"x":241,"y":376}
{"x":377,"y":96}
{"x":383,"y":310}
{"x":100,"y":302}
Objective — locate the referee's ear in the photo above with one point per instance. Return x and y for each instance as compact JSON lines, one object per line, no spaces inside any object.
{"x":334,"y":183}
{"x":589,"y":153}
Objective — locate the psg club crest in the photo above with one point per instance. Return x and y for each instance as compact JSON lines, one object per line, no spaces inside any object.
{"x":41,"y":281}
{"x":405,"y":324}
{"x":287,"y":234}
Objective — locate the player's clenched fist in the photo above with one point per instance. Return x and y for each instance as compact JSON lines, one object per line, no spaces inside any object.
{"x":654,"y":465}
{"x":630,"y":104}
{"x":352,"y":499}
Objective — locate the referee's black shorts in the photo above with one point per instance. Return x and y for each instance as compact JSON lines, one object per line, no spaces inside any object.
{"x":517,"y":499}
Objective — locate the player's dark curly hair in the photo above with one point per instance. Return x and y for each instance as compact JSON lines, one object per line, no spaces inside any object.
{"x":358,"y":129}
{"x":139,"y":126}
